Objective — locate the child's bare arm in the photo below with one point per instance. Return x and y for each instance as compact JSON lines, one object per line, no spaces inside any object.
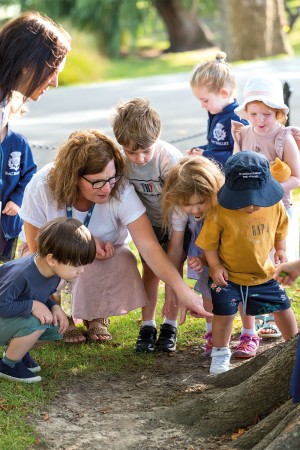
{"x":195,"y":151}
{"x":42,"y":312}
{"x":280,"y":252}
{"x":292,"y":158}
{"x":218,"y":271}
{"x":196,"y":263}
{"x":287,"y":273}
{"x":60,"y":317}
{"x":11,"y":209}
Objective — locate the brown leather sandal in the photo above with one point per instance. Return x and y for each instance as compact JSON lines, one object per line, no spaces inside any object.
{"x":73,"y":333}
{"x":100,"y":331}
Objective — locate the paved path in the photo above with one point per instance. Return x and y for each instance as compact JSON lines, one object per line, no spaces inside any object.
{"x":63,"y":110}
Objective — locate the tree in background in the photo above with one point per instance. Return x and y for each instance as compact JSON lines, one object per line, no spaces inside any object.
{"x":253,"y":28}
{"x":250,"y":28}
{"x":185,"y":29}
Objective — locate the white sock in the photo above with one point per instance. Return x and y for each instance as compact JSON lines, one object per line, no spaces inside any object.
{"x":208,"y":327}
{"x":171,"y":322}
{"x":149,"y":323}
{"x":249,"y":331}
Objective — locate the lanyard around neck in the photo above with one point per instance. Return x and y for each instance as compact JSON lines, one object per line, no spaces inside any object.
{"x":87,"y":217}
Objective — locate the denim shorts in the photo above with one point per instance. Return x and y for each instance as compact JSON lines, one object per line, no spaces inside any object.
{"x":14,"y":327}
{"x":263,"y":298}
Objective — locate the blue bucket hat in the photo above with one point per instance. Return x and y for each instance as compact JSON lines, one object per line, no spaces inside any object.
{"x":248,"y":181}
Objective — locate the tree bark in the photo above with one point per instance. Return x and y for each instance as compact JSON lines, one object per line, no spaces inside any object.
{"x":258,"y":397}
{"x":185,"y":30}
{"x":253,"y":28}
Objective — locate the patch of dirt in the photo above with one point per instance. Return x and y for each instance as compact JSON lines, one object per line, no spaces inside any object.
{"x":118,"y":412}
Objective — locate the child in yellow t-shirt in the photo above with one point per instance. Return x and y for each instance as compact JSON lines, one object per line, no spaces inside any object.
{"x":237,"y":238}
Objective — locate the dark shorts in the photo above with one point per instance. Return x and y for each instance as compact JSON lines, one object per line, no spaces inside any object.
{"x":260,"y":299}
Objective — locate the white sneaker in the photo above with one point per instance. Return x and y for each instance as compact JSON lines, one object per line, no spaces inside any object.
{"x":220,"y":360}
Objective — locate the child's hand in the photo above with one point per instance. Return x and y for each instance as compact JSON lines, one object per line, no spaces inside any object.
{"x":170,"y":307}
{"x":219,"y":275}
{"x":11,"y":209}
{"x":104,"y":250}
{"x":195,"y":151}
{"x":287,"y":273}
{"x":42,"y":312}
{"x":195,"y":263}
{"x":280,"y":257}
{"x":59,"y":317}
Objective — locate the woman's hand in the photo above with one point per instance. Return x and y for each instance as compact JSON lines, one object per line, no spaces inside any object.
{"x":104,"y":250}
{"x":287,"y":273}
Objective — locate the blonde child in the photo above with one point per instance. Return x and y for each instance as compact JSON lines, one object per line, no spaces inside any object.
{"x":213,"y":84}
{"x":148,"y":160}
{"x":264,"y":107}
{"x":249,"y":221}
{"x":28,"y":315}
{"x":190,"y":192}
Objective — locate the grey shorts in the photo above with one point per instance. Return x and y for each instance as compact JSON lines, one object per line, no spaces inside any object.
{"x":14,"y":327}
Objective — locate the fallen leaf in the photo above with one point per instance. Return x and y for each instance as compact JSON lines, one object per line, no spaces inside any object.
{"x":238,"y":434}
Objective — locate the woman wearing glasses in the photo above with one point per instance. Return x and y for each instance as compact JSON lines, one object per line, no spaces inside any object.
{"x":85,"y":182}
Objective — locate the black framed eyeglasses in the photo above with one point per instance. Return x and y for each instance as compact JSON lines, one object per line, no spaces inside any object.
{"x":98,"y":184}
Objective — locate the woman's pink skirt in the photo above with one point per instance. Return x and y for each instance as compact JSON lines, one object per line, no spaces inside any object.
{"x":112,"y":287}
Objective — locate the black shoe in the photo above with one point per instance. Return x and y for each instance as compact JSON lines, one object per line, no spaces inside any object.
{"x":166,"y":341}
{"x":146,"y":339}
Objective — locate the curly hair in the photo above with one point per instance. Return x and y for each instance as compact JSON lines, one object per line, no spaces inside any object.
{"x":33,"y":42}
{"x":214,"y":75}
{"x":135,"y":124}
{"x":85,"y":152}
{"x":192,"y":175}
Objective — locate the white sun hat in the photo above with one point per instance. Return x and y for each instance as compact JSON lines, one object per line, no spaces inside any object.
{"x":265,"y":89}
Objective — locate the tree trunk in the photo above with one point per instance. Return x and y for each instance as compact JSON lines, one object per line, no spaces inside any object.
{"x":255,"y":395}
{"x":253,"y":28}
{"x":185,"y":30}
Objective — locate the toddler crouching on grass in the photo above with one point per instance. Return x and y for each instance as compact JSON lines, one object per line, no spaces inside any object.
{"x":28,"y":316}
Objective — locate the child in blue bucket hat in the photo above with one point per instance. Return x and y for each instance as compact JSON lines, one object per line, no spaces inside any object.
{"x":237,"y":237}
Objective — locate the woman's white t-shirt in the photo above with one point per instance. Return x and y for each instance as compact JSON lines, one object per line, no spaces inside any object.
{"x":108,"y":221}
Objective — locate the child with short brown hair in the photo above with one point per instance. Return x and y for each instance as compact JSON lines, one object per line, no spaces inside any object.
{"x":28,"y":315}
{"x":148,"y":160}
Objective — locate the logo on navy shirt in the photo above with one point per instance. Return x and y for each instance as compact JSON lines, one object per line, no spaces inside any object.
{"x":14,"y":161}
{"x":219,"y":132}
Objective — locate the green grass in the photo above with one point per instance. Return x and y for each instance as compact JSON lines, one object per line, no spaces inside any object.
{"x":64,"y":363}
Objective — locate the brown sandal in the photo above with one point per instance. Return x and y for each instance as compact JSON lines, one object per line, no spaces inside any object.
{"x":100,"y":331}
{"x":73,"y":333}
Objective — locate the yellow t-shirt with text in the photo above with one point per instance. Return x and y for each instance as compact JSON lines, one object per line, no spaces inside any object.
{"x":244,"y":241}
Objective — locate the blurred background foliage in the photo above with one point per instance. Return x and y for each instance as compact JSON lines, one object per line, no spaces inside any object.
{"x":114,"y":39}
